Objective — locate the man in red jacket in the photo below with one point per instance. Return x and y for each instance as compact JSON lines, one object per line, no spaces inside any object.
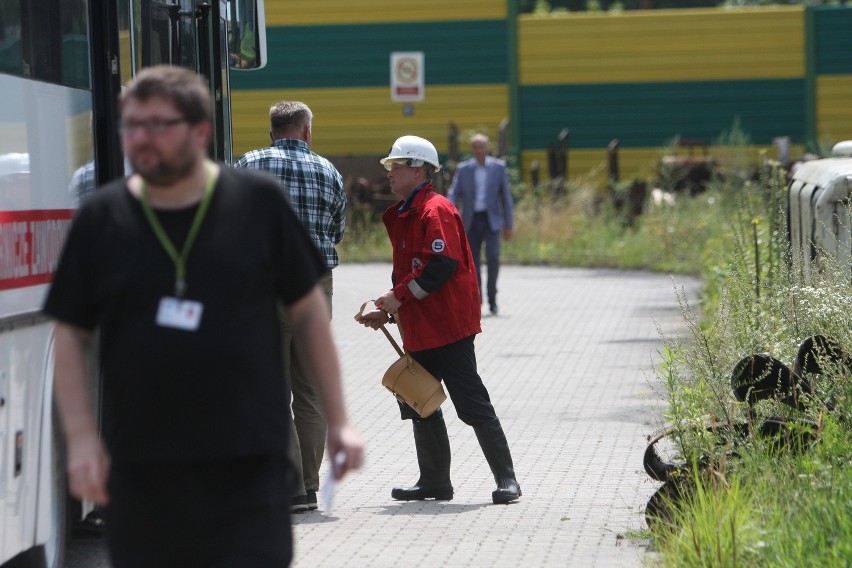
{"x":435,"y":295}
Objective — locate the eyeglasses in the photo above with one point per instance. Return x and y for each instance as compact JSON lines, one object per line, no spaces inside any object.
{"x":410,"y":162}
{"x":153,"y":127}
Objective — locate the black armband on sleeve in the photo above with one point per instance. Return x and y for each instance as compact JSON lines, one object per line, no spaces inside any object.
{"x":437,"y":272}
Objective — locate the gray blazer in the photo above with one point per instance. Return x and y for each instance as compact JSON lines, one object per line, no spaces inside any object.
{"x":462,"y":193}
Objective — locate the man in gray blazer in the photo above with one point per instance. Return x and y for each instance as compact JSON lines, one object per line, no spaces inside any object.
{"x":480,"y":190}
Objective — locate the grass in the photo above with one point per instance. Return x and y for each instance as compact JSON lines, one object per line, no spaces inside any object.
{"x":665,"y":239}
{"x":365,"y":239}
{"x":582,"y":228}
{"x":774,"y":508}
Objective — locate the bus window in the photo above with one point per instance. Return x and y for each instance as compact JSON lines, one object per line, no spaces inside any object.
{"x":42,"y":51}
{"x":75,"y":43}
{"x":11,"y":49}
{"x":247,"y":40}
{"x":45,"y":40}
{"x":160,"y":38}
{"x":55,"y":45}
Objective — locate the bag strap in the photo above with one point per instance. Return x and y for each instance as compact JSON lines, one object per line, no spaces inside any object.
{"x":383,"y":328}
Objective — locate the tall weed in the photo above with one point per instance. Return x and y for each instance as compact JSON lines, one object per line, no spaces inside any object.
{"x":787,"y":499}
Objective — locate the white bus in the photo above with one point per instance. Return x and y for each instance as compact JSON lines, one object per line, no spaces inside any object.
{"x":62,"y":64}
{"x":819,"y":213}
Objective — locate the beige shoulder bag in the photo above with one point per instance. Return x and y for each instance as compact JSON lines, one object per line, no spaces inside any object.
{"x":407,"y":380}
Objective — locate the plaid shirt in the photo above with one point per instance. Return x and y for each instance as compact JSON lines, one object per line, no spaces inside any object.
{"x":314,"y":186}
{"x":83,"y":183}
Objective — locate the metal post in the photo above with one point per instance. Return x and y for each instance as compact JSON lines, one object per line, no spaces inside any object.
{"x":563,"y":154}
{"x":552,"y":169}
{"x":453,"y":145}
{"x":503,"y":138}
{"x":612,"y":153}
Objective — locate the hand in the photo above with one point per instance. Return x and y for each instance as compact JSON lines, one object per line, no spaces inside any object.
{"x":374,"y":319}
{"x":388,"y":302}
{"x":507,"y":234}
{"x":347,"y":441}
{"x":88,"y":469}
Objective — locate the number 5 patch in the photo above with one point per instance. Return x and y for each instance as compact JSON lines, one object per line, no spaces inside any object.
{"x":438,"y":246}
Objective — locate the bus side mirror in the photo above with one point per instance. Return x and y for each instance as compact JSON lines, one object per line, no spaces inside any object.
{"x":247,"y":38}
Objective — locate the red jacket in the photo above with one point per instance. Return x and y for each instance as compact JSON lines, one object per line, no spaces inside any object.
{"x":433,"y":272}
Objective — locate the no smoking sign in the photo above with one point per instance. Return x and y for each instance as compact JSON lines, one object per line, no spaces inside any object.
{"x":407,"y":76}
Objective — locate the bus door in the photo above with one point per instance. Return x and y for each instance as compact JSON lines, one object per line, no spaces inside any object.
{"x":207,"y":36}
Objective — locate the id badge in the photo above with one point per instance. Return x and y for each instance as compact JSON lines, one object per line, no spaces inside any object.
{"x":179,"y":314}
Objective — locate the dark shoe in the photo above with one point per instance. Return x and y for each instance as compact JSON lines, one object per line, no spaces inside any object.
{"x":506,"y":492}
{"x":433,"y":458}
{"x":298,"y":504}
{"x":494,"y":445}
{"x":493,"y":309}
{"x":311,"y":500}
{"x":420,"y":492}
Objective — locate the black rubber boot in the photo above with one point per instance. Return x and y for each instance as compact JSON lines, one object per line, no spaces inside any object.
{"x":494,"y":445}
{"x":433,"y":457}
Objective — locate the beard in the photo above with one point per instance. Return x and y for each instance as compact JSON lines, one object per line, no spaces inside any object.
{"x":160,"y":170}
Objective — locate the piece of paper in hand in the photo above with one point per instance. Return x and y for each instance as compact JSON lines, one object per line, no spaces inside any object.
{"x":327,"y":490}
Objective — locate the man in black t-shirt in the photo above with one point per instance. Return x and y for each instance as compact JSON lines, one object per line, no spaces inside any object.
{"x":181,"y":267}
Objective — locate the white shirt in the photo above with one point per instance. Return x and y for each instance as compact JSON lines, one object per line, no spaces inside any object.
{"x":480,"y":175}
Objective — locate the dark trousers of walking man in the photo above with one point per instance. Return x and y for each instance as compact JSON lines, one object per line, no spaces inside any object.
{"x":480,"y":232}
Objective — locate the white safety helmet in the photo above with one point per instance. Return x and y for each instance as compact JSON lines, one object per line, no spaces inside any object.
{"x":412,"y":151}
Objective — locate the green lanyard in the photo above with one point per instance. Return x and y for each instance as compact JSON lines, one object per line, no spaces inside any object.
{"x":180,"y":259}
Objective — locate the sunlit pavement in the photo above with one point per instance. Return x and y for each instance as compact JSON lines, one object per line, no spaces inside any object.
{"x":569,"y":365}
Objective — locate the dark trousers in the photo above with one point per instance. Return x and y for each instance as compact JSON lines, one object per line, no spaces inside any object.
{"x":455,"y":365}
{"x":220,"y":514}
{"x":480,"y":232}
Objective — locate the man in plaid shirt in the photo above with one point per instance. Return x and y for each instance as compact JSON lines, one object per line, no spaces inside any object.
{"x":316,"y":193}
